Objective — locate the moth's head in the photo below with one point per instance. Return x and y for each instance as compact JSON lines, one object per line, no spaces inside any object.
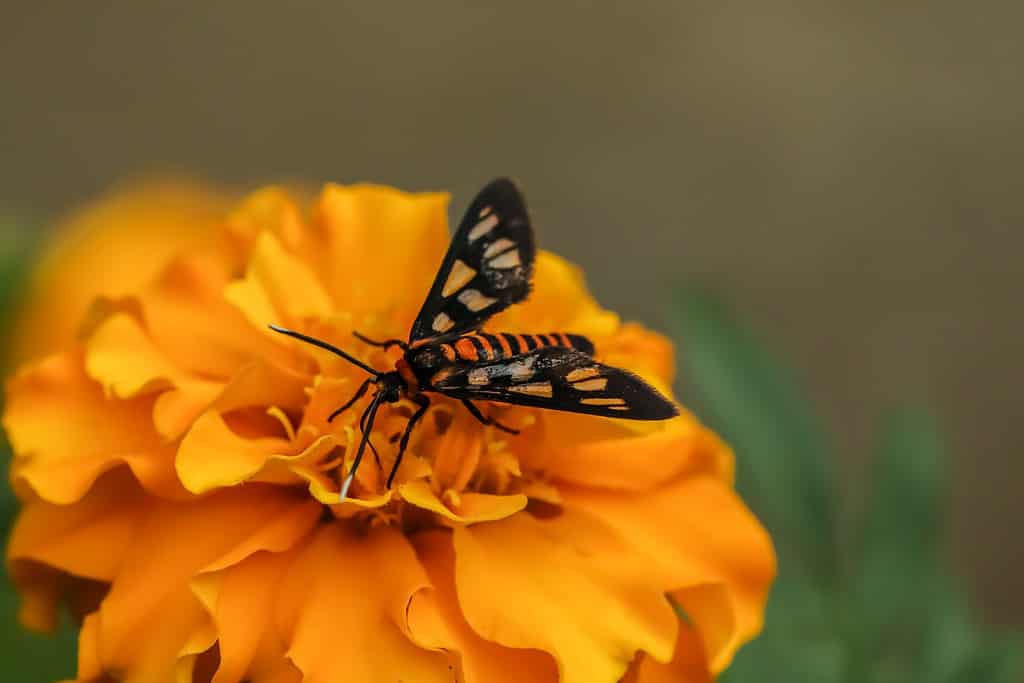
{"x":390,"y":386}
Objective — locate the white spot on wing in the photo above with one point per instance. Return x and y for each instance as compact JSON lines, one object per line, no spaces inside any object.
{"x":498,"y":246}
{"x":510,"y":259}
{"x":442,"y":323}
{"x":474,"y":300}
{"x":596,"y":384}
{"x":482,"y":228}
{"x":533,"y":389}
{"x":478,"y":377}
{"x":458,"y":278}
{"x":582,"y":373}
{"x":603,"y":402}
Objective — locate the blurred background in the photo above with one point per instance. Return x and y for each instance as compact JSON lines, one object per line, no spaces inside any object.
{"x":846,"y":175}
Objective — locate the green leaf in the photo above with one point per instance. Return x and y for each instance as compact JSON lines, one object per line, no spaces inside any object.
{"x":801,"y":639}
{"x":782,"y":460}
{"x":898,"y":585}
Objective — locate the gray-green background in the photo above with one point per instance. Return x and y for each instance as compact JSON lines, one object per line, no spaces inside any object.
{"x":848,"y":174}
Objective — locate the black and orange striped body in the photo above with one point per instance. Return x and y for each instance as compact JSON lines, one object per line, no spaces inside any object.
{"x":426,"y":359}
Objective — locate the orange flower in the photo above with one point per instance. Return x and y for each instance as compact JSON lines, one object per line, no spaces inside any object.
{"x":180,"y":482}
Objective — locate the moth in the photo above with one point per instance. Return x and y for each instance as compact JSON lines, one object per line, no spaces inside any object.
{"x":488,"y":267}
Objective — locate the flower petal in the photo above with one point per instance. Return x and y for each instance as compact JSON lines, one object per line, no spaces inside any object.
{"x":688,"y":665}
{"x":87,"y":539}
{"x":66,"y":432}
{"x":277,"y":288}
{"x":138,"y":228}
{"x":343,"y":607}
{"x":383,"y":247}
{"x":243,"y":613}
{"x":435,"y":621}
{"x":607,"y":456}
{"x":470,"y":508}
{"x":175,"y":543}
{"x":696,"y":531}
{"x":192,"y":323}
{"x":565,"y":586}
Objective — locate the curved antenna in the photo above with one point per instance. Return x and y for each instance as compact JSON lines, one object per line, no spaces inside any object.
{"x":326,"y":347}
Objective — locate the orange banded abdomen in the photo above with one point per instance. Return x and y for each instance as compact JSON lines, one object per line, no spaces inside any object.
{"x":483,"y":346}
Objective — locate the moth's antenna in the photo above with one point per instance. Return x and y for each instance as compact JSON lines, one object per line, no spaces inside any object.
{"x":371,"y":413}
{"x":325,"y":346}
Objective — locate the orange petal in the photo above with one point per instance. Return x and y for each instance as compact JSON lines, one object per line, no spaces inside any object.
{"x":211,"y":455}
{"x":559,"y":302}
{"x":435,"y":621}
{"x":343,"y":608}
{"x":471,"y":508}
{"x":243,"y":613}
{"x":604,"y":454}
{"x":696,"y":532}
{"x":383,"y":248}
{"x":567,"y":586}
{"x":175,"y":543}
{"x":647,"y":353}
{"x":277,"y":288}
{"x":197,"y":328}
{"x":137,"y":228}
{"x":66,"y":432}
{"x":87,"y":539}
{"x":688,"y":665}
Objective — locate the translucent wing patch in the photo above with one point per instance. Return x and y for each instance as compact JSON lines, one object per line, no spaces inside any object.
{"x":487,"y":268}
{"x":556,"y":378}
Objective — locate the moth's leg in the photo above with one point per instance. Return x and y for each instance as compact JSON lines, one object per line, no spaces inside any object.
{"x":423,"y":403}
{"x":475,"y":412}
{"x":369,"y":442}
{"x":386,"y":344}
{"x":348,"y":404}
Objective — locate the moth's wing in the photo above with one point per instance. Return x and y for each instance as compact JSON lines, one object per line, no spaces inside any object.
{"x":557,"y":378}
{"x":487,"y":268}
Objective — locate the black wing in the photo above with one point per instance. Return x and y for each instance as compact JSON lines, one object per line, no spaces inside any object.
{"x":487,"y":268}
{"x":556,"y":378}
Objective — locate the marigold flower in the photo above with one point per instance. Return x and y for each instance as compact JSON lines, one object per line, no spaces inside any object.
{"x":180,"y":482}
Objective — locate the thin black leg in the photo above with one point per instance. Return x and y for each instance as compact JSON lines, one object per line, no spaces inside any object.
{"x":348,"y":404}
{"x":475,"y":412}
{"x":387,"y":343}
{"x":370,"y":414}
{"x":424,"y":403}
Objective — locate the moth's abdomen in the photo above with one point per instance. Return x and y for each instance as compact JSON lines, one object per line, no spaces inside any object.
{"x":483,"y":346}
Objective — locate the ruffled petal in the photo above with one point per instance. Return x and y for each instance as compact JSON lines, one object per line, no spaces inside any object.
{"x":435,"y":621}
{"x":383,"y":247}
{"x":138,"y":228}
{"x":607,"y":454}
{"x":278,"y":288}
{"x":243,"y":615}
{"x":462,"y":508}
{"x":696,"y":531}
{"x":151,"y":592}
{"x":88,"y":538}
{"x":192,"y":323}
{"x":342,"y":608}
{"x":688,"y":665}
{"x":566,"y":586}
{"x":212,"y":456}
{"x":65,"y":432}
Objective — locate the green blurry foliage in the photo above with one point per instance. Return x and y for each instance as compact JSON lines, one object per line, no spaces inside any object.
{"x":885,"y":609}
{"x":24,"y":657}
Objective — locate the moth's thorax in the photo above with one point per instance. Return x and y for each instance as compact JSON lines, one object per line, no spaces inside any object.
{"x":412,"y":383}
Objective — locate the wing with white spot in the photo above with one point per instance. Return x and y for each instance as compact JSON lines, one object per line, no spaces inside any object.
{"x":487,"y":268}
{"x":556,"y":378}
